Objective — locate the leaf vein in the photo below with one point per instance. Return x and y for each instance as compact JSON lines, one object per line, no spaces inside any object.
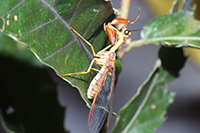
{"x":75,"y":11}
{"x":141,"y":106}
{"x":40,"y":26}
{"x":61,"y":49}
{"x":174,"y":38}
{"x":17,"y":5}
{"x":55,"y":13}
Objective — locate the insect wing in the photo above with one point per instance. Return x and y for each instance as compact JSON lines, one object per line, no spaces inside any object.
{"x":111,"y":96}
{"x":102,"y":105}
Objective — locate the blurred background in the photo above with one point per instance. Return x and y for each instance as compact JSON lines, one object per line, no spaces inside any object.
{"x":182,"y":116}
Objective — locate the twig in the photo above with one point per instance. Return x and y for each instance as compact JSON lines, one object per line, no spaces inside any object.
{"x":124,"y":8}
{"x":134,"y":44}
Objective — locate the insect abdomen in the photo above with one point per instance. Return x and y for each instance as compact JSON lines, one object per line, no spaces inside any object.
{"x":97,"y":82}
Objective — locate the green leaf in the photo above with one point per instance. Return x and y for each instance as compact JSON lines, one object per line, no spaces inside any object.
{"x":145,"y":111}
{"x":45,"y":27}
{"x":28,"y":96}
{"x":118,"y":68}
{"x":178,"y":30}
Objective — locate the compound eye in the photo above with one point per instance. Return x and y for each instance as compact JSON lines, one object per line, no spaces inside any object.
{"x":126,"y":32}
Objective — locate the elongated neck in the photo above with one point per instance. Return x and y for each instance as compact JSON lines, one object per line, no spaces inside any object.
{"x":116,"y":46}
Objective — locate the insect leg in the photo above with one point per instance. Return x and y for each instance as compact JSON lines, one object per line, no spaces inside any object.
{"x":88,"y":70}
{"x":84,"y":40}
{"x":95,"y":69}
{"x":104,"y":49}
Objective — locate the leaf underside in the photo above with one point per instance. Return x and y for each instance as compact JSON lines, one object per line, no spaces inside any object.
{"x":45,"y":27}
{"x":145,"y":111}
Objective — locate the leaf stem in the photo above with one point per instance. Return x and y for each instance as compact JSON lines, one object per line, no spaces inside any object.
{"x":141,"y":42}
{"x":134,"y":44}
{"x":124,"y":8}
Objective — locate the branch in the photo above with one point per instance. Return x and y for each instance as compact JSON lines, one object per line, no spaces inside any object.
{"x":124,"y":8}
{"x":134,"y":44}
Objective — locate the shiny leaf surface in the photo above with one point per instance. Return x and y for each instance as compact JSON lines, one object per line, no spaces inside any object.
{"x":176,"y":30}
{"x":145,"y":111}
{"x":45,"y":27}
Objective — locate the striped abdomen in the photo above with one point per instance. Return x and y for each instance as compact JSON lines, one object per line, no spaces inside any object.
{"x":98,"y":80}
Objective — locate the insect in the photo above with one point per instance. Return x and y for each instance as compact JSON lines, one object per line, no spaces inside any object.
{"x":101,"y":88}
